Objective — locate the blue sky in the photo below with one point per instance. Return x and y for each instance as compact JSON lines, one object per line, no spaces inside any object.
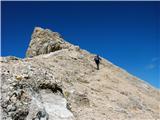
{"x":126,"y":33}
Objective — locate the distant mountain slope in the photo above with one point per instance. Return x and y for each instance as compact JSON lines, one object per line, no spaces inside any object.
{"x":59,"y":81}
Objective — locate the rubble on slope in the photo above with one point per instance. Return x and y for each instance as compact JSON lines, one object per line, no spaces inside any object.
{"x":62,"y":83}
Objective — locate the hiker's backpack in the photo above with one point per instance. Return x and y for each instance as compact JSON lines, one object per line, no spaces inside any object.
{"x":96,"y":58}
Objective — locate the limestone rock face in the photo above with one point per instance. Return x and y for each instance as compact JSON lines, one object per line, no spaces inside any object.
{"x":44,"y":41}
{"x":63,"y":84}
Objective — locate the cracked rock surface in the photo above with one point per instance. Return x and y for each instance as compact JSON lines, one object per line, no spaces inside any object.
{"x":62,"y":83}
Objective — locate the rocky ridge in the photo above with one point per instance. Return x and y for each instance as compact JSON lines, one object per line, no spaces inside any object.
{"x":59,"y":81}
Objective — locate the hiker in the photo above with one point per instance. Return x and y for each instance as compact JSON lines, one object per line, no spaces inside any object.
{"x":97,"y":61}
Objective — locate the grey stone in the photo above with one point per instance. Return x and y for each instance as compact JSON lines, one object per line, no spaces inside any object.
{"x":11,"y":108}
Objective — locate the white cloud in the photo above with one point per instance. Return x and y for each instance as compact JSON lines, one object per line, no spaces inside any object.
{"x":151,"y":66}
{"x":155,"y":59}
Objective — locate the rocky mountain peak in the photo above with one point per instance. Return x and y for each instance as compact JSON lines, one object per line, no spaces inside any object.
{"x":44,"y":41}
{"x":59,"y":81}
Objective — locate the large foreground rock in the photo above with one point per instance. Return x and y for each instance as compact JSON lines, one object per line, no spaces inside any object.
{"x":65,"y":85}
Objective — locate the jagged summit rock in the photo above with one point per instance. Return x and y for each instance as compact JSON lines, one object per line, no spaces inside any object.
{"x":63,"y":84}
{"x":44,"y":41}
